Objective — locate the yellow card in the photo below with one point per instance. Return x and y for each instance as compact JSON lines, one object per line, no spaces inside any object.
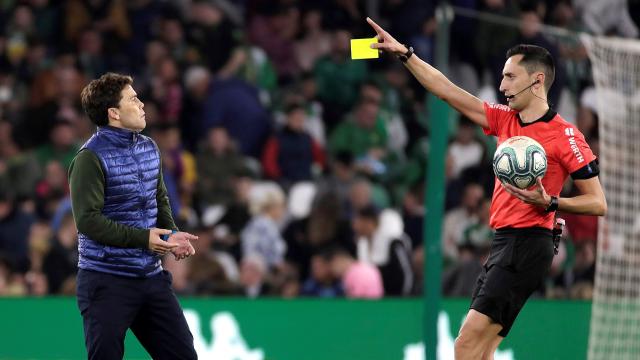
{"x":361,"y":49}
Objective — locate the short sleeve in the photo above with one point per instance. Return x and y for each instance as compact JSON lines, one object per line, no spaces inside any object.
{"x":574,"y":151}
{"x":496,"y":115}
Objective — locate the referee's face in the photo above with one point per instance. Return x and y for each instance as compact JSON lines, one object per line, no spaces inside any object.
{"x":515,"y":79}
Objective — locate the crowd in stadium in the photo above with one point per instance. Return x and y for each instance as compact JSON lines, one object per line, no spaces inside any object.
{"x":301,"y":170}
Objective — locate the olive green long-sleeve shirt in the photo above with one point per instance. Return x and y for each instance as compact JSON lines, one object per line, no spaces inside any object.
{"x":87,"y":182}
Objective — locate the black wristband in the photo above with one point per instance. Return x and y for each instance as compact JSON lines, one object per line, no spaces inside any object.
{"x":405,"y":57}
{"x":553,"y":205}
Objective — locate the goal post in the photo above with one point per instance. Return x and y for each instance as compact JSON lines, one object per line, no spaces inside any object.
{"x":615,"y":317}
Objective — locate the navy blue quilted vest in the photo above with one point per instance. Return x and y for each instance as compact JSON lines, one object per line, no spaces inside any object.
{"x":131,"y":164}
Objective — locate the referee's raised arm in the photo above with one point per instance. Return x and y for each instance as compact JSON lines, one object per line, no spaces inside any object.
{"x":432,"y":79}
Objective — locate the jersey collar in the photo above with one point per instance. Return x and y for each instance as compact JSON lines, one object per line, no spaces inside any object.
{"x":550,"y":114}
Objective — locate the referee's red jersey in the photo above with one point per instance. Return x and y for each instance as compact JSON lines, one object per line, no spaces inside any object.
{"x":566,"y":149}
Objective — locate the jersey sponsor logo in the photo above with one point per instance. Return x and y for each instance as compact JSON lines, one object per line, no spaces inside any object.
{"x":574,"y":146}
{"x":499,"y":107}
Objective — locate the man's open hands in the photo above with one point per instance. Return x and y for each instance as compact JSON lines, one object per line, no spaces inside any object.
{"x":182,"y":241}
{"x":157,"y":245}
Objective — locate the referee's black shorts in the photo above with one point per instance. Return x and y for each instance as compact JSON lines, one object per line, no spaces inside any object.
{"x":519,"y":261}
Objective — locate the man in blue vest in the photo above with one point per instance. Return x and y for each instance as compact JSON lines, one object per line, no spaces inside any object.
{"x":124,"y":222}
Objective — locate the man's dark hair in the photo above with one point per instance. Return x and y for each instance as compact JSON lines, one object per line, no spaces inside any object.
{"x":329,"y":252}
{"x":294,"y":106}
{"x":535,"y":58}
{"x":369,"y":212}
{"x":102,"y":94}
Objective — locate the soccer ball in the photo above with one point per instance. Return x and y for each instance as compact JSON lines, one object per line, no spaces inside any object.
{"x":519,"y":161}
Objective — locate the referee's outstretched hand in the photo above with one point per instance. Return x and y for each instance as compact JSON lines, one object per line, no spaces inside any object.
{"x":536,"y":196}
{"x":156,"y":244}
{"x":386,"y":42}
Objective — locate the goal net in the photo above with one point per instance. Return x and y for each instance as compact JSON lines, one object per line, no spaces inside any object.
{"x":615,"y":318}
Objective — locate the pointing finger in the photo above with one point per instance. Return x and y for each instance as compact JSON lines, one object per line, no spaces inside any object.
{"x":375,"y":26}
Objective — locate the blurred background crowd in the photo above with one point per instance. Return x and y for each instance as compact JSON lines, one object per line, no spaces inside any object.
{"x":301,"y":171}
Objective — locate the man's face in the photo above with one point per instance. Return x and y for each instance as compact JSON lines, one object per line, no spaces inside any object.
{"x":363,"y":226}
{"x":296,"y":119}
{"x":130,"y":113}
{"x":514,"y":79}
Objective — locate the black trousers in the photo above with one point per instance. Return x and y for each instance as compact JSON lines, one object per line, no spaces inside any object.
{"x":111,"y":304}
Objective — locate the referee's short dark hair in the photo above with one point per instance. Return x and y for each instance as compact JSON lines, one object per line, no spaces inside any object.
{"x":535,"y":58}
{"x":102,"y":94}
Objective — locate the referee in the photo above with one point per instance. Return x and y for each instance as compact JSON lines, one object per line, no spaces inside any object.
{"x":522,"y":249}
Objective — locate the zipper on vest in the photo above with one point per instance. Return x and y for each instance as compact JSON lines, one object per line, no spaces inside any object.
{"x":140,"y":185}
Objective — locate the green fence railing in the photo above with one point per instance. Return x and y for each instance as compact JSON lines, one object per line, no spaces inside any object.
{"x":274,"y":329}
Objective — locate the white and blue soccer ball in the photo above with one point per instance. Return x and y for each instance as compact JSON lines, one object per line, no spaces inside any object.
{"x":519,"y":161}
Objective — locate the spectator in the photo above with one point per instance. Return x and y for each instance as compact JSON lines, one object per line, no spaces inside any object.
{"x":359,"y":279}
{"x":235,"y":105}
{"x":341,"y":177}
{"x":391,"y":254}
{"x":108,"y":17}
{"x":274,"y":30}
{"x":314,"y":43}
{"x":338,"y":78}
{"x":197,"y":85}
{"x":322,"y":282}
{"x":218,"y":165}
{"x":51,"y":190}
{"x":166,"y":90}
{"x":14,"y":232}
{"x":91,"y":56}
{"x":253,"y":273}
{"x":363,"y":135}
{"x":62,"y":146}
{"x":458,"y":219}
{"x":262,"y":235}
{"x":465,"y":150}
{"x":413,"y":213}
{"x":60,"y":263}
{"x":209,"y":26}
{"x":236,"y":217}
{"x":19,"y":170}
{"x":173,"y":36}
{"x":324,"y":227}
{"x":607,"y":18}
{"x":292,"y":155}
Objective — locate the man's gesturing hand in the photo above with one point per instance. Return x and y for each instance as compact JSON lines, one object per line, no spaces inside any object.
{"x":156,"y":244}
{"x":386,"y":42}
{"x":184,"y":248}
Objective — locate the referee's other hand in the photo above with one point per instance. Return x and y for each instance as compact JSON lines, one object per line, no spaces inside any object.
{"x":386,"y":42}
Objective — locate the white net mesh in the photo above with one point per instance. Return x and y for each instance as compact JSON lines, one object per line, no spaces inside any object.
{"x":615,"y":319}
